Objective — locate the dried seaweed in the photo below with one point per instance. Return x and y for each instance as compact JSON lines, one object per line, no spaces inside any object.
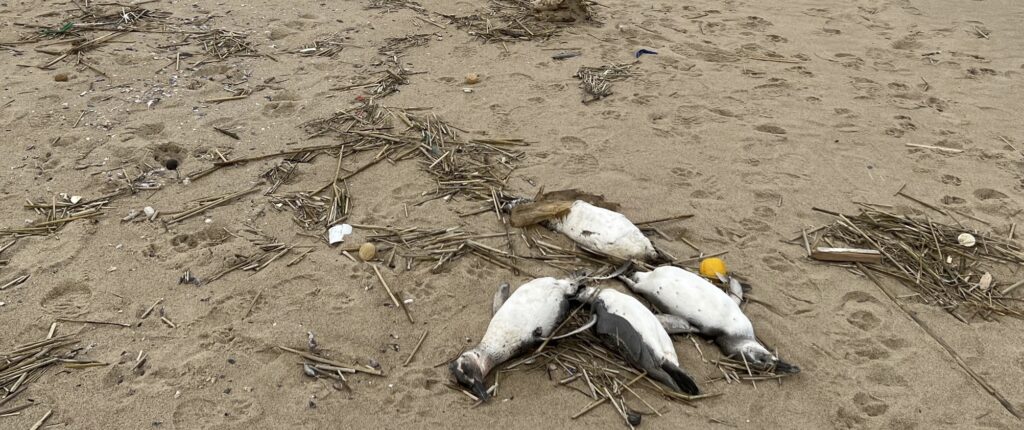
{"x":515,"y":20}
{"x":325,"y":46}
{"x":25,"y":364}
{"x":585,"y":365}
{"x":220,"y":44}
{"x":57,"y":213}
{"x":394,"y":5}
{"x":395,"y":46}
{"x":312,"y":212}
{"x":596,"y":82}
{"x":927,"y":257}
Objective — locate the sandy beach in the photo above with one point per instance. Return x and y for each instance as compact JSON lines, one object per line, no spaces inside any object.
{"x":746,"y":115}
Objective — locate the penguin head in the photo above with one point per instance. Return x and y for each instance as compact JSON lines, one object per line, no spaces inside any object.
{"x":758,"y":356}
{"x":468,"y":371}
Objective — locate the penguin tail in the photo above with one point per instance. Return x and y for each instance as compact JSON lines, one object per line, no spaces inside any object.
{"x":683,"y":381}
{"x":782,"y":367}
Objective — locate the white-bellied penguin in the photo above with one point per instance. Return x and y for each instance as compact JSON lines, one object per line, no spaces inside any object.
{"x":525,"y":319}
{"x":692,"y":304}
{"x":629,"y":327}
{"x":604,"y":231}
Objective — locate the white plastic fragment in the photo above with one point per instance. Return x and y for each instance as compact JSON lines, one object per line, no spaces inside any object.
{"x":336,"y":234}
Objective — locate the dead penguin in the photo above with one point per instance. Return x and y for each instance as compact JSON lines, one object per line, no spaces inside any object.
{"x":588,"y":220}
{"x":604,"y":231}
{"x":628,"y":326}
{"x":525,"y":319}
{"x":694,"y":305}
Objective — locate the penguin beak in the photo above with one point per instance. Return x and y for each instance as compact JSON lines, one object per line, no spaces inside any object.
{"x":782,"y":367}
{"x":480,"y":391}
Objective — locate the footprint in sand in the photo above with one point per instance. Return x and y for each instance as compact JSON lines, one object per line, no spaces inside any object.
{"x":770,"y":129}
{"x":67,"y":299}
{"x":579,"y":164}
{"x":208,"y":414}
{"x":280,"y":109}
{"x":574,"y":144}
{"x":870,"y":405}
{"x":988,"y":194}
{"x":863,"y":320}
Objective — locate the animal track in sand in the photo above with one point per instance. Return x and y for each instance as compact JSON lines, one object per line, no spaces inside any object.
{"x":770,"y":129}
{"x":67,"y":299}
{"x":777,"y":263}
{"x":764,"y":212}
{"x":579,"y":164}
{"x":574,"y":144}
{"x":864,"y":320}
{"x":208,"y":237}
{"x":208,"y":414}
{"x":870,"y":405}
{"x":988,"y":194}
{"x":280,"y":109}
{"x":865,"y":349}
{"x":951,"y":180}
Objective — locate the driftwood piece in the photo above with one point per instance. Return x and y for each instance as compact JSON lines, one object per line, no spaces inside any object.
{"x":848,"y":255}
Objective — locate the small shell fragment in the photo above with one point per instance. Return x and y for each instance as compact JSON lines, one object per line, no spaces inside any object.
{"x":149,"y":211}
{"x":308,"y":370}
{"x":986,"y":281}
{"x":966,"y":239}
{"x":75,"y":199}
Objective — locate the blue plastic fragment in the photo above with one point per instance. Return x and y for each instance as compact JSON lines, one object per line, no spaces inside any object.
{"x":645,"y":51}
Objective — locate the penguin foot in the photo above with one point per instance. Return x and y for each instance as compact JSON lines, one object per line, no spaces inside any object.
{"x":683,"y":381}
{"x":675,"y":324}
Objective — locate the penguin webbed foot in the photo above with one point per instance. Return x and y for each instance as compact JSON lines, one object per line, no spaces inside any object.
{"x":685,"y":383}
{"x":674,"y":324}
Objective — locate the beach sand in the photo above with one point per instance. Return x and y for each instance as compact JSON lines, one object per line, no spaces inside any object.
{"x":750,"y":114}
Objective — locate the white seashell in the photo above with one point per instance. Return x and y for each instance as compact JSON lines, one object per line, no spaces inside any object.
{"x":966,"y":239}
{"x":75,"y":199}
{"x":149,"y":211}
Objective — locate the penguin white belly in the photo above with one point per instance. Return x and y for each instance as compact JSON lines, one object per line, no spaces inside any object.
{"x":604,"y":231}
{"x":685,"y":294}
{"x":643,"y":321}
{"x":538,"y":304}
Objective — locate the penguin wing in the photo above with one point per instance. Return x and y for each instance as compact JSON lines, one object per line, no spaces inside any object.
{"x":500,"y":297}
{"x":620,"y":334}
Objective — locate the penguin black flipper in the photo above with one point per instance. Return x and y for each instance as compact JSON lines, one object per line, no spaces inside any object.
{"x":619,"y":334}
{"x":685,"y":382}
